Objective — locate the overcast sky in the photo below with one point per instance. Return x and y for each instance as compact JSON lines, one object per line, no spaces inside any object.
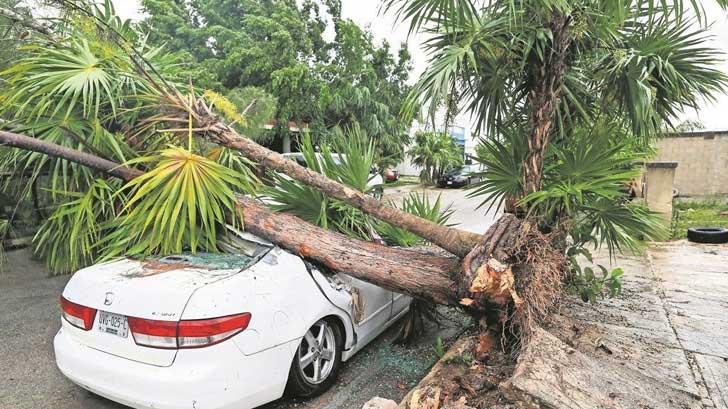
{"x":366,"y":13}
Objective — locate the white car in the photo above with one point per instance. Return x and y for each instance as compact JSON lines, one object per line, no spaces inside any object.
{"x":229,"y":330}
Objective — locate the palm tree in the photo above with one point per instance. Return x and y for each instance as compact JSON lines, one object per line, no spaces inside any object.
{"x":569,"y":94}
{"x":551,"y":65}
{"x":435,"y":152}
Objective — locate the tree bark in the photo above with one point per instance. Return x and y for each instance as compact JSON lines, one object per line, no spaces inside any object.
{"x":30,"y":23}
{"x":425,"y":276}
{"x":94,"y":162}
{"x":543,"y":101}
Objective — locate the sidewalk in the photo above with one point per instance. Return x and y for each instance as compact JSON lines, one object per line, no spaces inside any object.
{"x":662,"y":344}
{"x":693,"y":285}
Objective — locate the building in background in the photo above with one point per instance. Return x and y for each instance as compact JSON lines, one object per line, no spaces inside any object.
{"x":702,"y":161}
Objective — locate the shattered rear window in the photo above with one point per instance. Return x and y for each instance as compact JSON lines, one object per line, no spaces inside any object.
{"x":208,"y":261}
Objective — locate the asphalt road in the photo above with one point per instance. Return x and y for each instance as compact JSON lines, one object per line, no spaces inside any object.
{"x":467,"y":215}
{"x":30,"y":318}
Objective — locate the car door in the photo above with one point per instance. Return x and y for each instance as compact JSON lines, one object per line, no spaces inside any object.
{"x":400,"y":302}
{"x":371,"y":307}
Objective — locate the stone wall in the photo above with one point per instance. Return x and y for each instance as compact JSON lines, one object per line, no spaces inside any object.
{"x":702,"y":161}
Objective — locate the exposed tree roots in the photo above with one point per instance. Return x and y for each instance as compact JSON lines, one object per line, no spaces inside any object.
{"x":515,"y":277}
{"x":459,"y":381}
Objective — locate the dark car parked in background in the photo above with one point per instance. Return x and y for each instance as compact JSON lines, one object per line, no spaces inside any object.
{"x":461,"y":176}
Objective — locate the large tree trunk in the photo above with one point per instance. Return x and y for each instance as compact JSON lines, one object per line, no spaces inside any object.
{"x":543,"y":102}
{"x":419,"y":274}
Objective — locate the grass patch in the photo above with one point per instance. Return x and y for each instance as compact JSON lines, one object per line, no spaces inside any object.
{"x":403,"y":181}
{"x":698,"y":213}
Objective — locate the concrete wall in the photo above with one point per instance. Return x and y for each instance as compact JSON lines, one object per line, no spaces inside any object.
{"x":702,"y":159}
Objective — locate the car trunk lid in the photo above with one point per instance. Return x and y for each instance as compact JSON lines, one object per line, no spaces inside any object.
{"x":154,"y":289}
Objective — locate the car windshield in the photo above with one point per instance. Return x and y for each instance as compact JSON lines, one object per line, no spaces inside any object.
{"x":454,"y":171}
{"x":234,"y":241}
{"x":473,"y":168}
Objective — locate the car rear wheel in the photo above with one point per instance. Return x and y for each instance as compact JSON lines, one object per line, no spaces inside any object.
{"x":316,"y":362}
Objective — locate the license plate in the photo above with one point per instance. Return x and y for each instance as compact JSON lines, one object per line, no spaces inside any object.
{"x":114,"y":324}
{"x":449,"y":183}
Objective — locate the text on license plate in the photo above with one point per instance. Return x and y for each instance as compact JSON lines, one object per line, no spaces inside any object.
{"x":113,"y":324}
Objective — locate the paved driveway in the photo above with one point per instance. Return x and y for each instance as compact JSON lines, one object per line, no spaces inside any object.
{"x":467,"y":216}
{"x":30,"y":318}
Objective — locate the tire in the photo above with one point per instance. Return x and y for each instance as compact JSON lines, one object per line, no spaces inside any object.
{"x":304,"y":381}
{"x":712,"y":235}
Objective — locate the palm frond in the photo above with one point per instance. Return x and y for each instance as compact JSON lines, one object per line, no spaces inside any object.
{"x":621,"y":227}
{"x":58,"y":79}
{"x":425,"y":12}
{"x":418,"y":205}
{"x":178,"y":205}
{"x":353,"y":166}
{"x":660,"y":69}
{"x":502,"y":177}
{"x":350,"y":165}
{"x":67,"y":240}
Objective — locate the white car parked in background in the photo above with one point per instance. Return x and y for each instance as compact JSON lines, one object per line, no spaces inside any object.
{"x":205,"y":331}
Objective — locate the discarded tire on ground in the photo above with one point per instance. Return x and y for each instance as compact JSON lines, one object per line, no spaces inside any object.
{"x":713,"y":235}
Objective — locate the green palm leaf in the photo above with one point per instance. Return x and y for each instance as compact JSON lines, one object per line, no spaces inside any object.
{"x":57,"y":79}
{"x":178,"y":205}
{"x":418,"y":205}
{"x":68,"y":239}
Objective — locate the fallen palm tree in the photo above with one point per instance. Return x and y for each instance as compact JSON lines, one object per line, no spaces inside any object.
{"x":501,"y":280}
{"x":120,"y":108}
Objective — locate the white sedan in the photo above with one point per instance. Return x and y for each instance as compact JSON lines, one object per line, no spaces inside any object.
{"x":230,"y":330}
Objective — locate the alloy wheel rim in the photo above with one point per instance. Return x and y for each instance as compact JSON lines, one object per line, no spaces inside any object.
{"x":317,"y":352}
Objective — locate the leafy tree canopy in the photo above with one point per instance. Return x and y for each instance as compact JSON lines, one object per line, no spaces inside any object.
{"x":12,"y":32}
{"x":283,"y":48}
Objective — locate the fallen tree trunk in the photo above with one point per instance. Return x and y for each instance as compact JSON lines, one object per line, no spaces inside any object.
{"x":425,"y":276}
{"x":82,"y":158}
{"x":401,"y":270}
{"x":485,"y":284}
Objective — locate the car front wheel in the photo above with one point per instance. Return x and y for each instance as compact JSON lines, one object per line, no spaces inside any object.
{"x":316,"y":362}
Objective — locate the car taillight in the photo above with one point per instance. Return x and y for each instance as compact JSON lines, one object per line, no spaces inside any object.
{"x":186,"y":333}
{"x":201,"y":333}
{"x":153,"y":333}
{"x":78,"y":315}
